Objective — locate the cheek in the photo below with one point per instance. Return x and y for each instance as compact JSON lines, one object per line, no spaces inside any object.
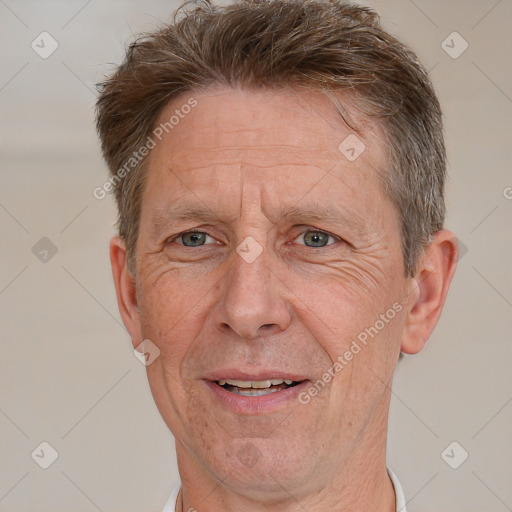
{"x":367,"y":358}
{"x":172,"y":313}
{"x":358,"y":326}
{"x":343,"y":299}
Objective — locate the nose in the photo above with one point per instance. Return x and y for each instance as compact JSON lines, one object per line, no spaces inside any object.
{"x":252,"y":303}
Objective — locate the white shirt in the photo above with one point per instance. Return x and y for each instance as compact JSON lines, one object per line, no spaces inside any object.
{"x":170,"y":506}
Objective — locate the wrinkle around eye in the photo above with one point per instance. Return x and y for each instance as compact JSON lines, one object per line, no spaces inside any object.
{"x":366,"y":269}
{"x":358,"y":268}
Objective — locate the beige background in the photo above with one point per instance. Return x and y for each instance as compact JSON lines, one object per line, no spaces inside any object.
{"x":67,"y":372}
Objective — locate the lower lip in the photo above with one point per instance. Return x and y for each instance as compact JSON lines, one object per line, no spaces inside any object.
{"x":256,"y":404}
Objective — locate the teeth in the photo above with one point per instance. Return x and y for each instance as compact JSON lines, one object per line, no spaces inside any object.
{"x":253,"y":391}
{"x":255,"y":384}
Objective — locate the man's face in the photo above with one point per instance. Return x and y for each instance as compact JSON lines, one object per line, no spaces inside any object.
{"x":295,"y":261}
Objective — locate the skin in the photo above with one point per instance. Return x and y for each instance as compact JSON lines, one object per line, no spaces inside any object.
{"x":245,"y":157}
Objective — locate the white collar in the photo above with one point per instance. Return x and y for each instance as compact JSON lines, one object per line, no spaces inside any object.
{"x":170,"y":506}
{"x":399,"y":491}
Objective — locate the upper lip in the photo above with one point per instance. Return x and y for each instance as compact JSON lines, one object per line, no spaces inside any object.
{"x":234,"y":374}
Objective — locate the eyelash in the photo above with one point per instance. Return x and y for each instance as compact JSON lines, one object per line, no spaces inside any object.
{"x":176,"y":237}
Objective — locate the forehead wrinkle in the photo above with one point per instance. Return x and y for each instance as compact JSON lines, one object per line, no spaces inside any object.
{"x":239,"y":154}
{"x":380,"y":170}
{"x":311,"y":211}
{"x":252,"y":146}
{"x":256,"y":165}
{"x":307,"y":213}
{"x":184,"y":209}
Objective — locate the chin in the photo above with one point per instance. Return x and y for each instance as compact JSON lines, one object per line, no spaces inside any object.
{"x":256,"y":467}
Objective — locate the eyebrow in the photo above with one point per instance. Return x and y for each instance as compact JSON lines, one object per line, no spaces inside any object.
{"x":315,"y":212}
{"x":305,"y":214}
{"x":181,"y":212}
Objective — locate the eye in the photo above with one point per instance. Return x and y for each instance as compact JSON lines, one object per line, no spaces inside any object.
{"x":315,"y":239}
{"x":194,"y":239}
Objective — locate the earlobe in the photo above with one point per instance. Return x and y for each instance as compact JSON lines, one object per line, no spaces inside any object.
{"x":125,"y":289}
{"x":429,"y":290}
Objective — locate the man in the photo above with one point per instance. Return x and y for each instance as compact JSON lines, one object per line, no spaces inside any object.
{"x":279,"y":169}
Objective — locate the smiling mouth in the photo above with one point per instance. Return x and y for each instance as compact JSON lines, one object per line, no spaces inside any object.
{"x":256,"y":388}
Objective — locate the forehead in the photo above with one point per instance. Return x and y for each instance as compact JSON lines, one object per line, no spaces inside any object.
{"x":275,"y":123}
{"x":282,"y":143}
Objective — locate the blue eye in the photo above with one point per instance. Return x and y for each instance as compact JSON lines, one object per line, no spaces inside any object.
{"x":316,"y":238}
{"x":311,"y":238}
{"x":194,"y":239}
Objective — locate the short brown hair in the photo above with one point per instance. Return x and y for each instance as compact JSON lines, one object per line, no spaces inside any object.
{"x":324,"y":45}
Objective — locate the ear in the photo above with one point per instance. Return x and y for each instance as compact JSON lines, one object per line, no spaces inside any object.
{"x":125,"y":289}
{"x":429,"y":289}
